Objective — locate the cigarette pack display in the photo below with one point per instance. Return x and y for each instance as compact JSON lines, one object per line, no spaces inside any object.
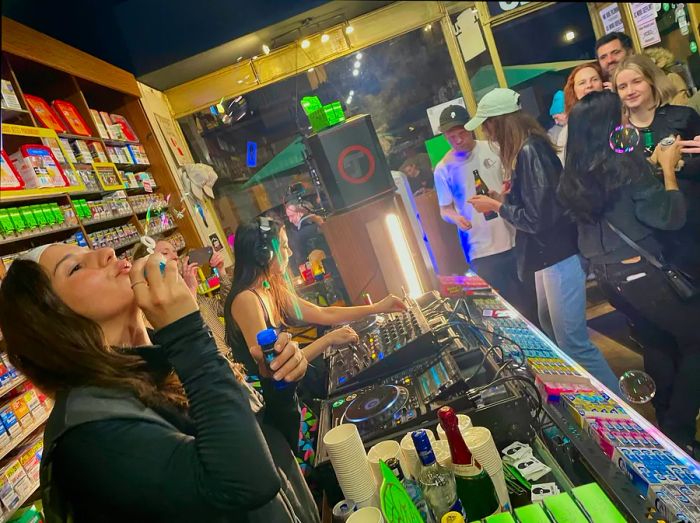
{"x":10,"y":499}
{"x":138,"y":154}
{"x":97,"y":152}
{"x":70,"y":155}
{"x":99,"y":124}
{"x":30,"y":457}
{"x":4,"y":438}
{"x":52,"y":143}
{"x":70,"y":115}
{"x":107,"y":121}
{"x":9,"y":177}
{"x":21,"y":410}
{"x":44,"y":114}
{"x":9,"y":98}
{"x":116,"y":131}
{"x":18,"y":478}
{"x":82,"y":153}
{"x":127,"y":131}
{"x":9,"y":421}
{"x":38,"y":167}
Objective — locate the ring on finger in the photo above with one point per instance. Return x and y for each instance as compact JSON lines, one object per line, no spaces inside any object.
{"x":137,"y":282}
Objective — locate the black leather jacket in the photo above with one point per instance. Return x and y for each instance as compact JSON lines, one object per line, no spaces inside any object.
{"x":544,"y":234}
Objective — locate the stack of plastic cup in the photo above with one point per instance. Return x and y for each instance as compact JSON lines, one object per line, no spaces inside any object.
{"x":350,"y":463}
{"x":442,"y":453}
{"x":410,"y":463}
{"x":382,"y":451}
{"x":482,"y":447}
{"x":465,"y":422}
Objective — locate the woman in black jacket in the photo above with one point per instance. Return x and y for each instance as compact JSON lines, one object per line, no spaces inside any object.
{"x":603,"y":187}
{"x":143,"y":429}
{"x":545,"y":238}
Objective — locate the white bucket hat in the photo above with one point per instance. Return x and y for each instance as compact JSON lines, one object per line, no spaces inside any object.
{"x":198,"y":179}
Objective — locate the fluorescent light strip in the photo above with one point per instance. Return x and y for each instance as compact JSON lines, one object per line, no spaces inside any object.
{"x":403,"y":253}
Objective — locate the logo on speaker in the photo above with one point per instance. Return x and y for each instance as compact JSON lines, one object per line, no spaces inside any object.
{"x":356,"y":164}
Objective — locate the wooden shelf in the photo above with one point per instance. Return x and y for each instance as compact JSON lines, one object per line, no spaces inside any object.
{"x":145,"y":211}
{"x":110,"y":141}
{"x":69,"y":136}
{"x":125,"y":245}
{"x":10,"y":114}
{"x":12,"y":384}
{"x":38,"y":234}
{"x":22,"y":500}
{"x":113,"y":218}
{"x":132,"y":166}
{"x":17,"y":441}
{"x":30,"y":197}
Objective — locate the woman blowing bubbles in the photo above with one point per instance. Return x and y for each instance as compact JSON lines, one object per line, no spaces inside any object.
{"x":145,"y":427}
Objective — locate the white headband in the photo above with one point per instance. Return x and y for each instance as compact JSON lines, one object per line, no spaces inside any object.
{"x":34,"y":254}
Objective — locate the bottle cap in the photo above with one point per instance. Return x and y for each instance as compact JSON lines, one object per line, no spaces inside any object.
{"x":423,"y":447}
{"x":266,"y":337}
{"x":448,"y":418}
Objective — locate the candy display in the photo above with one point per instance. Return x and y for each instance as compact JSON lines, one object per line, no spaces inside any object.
{"x":16,"y":222}
{"x":115,"y":237}
{"x":70,"y":115}
{"x":142,"y":202}
{"x":38,"y":167}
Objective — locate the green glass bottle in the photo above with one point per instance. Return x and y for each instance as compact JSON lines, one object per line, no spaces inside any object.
{"x":474,"y":486}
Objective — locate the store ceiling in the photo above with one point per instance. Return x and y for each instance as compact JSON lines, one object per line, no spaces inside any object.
{"x":168,"y":42}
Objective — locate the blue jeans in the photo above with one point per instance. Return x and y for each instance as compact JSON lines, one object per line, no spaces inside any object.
{"x":561,"y":304}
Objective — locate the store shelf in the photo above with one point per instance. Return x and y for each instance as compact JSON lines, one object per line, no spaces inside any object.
{"x":138,"y":190}
{"x":12,"y":384}
{"x":17,"y":441}
{"x":110,"y":141}
{"x":113,"y":218}
{"x":47,"y":232}
{"x":125,"y":245}
{"x":164,"y":231}
{"x":9,"y":114}
{"x":131,"y":167}
{"x":8,"y":515}
{"x":69,"y":136}
{"x":31,"y":196}
{"x":145,"y":211}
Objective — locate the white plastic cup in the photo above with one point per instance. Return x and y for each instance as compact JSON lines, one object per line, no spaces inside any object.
{"x":349,"y":461}
{"x":410,"y":463}
{"x":464,"y":423}
{"x":366,"y":515}
{"x":442,"y":453}
{"x":384,"y":451}
{"x":499,"y":482}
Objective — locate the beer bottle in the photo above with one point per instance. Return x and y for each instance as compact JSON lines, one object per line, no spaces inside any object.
{"x":482,"y":188}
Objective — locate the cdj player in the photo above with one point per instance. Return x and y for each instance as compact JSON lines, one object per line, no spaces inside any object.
{"x":387,"y":342}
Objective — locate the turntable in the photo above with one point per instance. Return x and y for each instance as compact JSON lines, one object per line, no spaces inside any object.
{"x":376,"y":406}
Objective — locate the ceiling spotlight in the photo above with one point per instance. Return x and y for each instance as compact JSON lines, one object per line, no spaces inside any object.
{"x":357,"y":64}
{"x":255,"y":57}
{"x":239,"y":59}
{"x":349,"y":30}
{"x":305,"y":44}
{"x":355,"y":72}
{"x":428,"y":27}
{"x":351,"y":93}
{"x":358,"y":56}
{"x":310,"y":70}
{"x":348,"y":101}
{"x":266,"y":49}
{"x":240,"y":81}
{"x":569,"y":36}
{"x":325,"y":38}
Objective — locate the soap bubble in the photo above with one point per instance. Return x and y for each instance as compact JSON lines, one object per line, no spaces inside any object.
{"x":624,"y":138}
{"x":637,"y":386}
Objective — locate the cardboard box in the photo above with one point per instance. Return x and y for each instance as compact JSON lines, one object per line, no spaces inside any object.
{"x":10,"y":499}
{"x":22,"y":413}
{"x":9,"y":421}
{"x":18,"y":478}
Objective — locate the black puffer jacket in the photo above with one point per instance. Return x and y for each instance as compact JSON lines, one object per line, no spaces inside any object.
{"x":544,"y":234}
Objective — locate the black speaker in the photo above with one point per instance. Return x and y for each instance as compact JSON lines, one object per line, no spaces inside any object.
{"x":350,"y":162}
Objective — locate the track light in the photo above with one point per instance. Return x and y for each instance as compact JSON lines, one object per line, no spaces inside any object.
{"x":325,"y":38}
{"x":305,"y":44}
{"x":355,"y":72}
{"x":266,"y":49}
{"x":349,"y":30}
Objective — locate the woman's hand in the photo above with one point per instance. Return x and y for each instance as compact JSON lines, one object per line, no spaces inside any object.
{"x":217,"y":262}
{"x":669,"y":156}
{"x":484,"y":204}
{"x":162,"y":296}
{"x":690,"y":146}
{"x":289,"y":364}
{"x":342,"y":336}
{"x":189,"y":274}
{"x":390,"y":304}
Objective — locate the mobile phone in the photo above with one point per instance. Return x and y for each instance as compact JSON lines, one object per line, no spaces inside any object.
{"x":201,"y":256}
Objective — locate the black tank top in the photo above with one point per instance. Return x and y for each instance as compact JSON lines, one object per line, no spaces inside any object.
{"x":235,"y":338}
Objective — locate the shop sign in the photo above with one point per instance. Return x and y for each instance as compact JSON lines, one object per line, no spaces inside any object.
{"x":644,"y":16}
{"x":642,"y":13}
{"x":612,"y":19}
{"x":649,"y":34}
{"x":498,"y":8}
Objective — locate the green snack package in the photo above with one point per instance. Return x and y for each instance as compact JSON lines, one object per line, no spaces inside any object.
{"x":38,"y":215}
{"x":6,"y":226}
{"x":57,"y":212}
{"x":16,"y":218}
{"x":531,"y":514}
{"x":503,"y":517}
{"x":564,"y":509}
{"x":597,"y":505}
{"x":28,"y":217}
{"x":48,"y":213}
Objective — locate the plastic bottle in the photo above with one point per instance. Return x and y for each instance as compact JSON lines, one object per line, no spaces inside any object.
{"x":266,"y":339}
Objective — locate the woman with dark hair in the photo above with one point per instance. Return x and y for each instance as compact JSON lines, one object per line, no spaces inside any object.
{"x":603,"y":188}
{"x":145,"y":427}
{"x":545,"y":238}
{"x":263,"y":297}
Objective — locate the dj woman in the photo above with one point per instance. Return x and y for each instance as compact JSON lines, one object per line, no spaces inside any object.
{"x":260,"y":299}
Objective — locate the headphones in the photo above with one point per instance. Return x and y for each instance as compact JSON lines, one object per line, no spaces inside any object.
{"x":263,"y":251}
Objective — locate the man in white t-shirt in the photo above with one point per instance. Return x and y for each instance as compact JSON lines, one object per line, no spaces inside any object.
{"x":487,"y":243}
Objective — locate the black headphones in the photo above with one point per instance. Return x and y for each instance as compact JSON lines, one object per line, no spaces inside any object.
{"x":263,"y":249}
